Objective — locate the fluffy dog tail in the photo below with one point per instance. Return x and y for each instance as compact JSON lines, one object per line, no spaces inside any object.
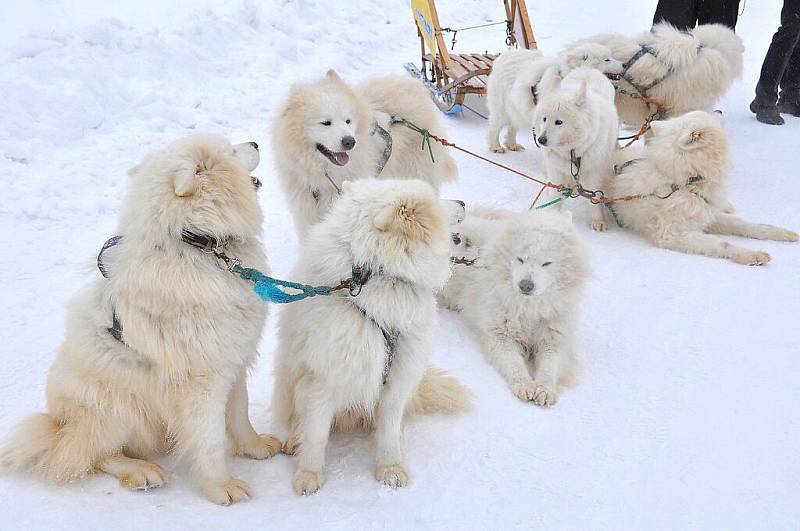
{"x":43,"y":445}
{"x":438,"y":392}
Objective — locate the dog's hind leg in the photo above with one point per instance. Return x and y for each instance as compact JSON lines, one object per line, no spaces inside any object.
{"x":246,"y":441}
{"x":507,"y":356}
{"x":510,"y":139}
{"x":493,"y":135}
{"x":405,"y":375}
{"x":134,"y":474}
{"x":316,"y":416}
{"x":735,"y":226}
{"x":708,"y":245}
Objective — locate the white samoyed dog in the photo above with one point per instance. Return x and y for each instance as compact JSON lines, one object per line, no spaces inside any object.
{"x":328,"y":132}
{"x":682,"y":70}
{"x":680,"y":178}
{"x":520,"y":78}
{"x":344,"y":360}
{"x":157,"y":355}
{"x":520,"y":288}
{"x":577,"y":127}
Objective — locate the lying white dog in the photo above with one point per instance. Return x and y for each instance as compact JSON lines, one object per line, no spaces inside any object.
{"x":157,"y":355}
{"x":684,"y":71}
{"x":520,"y":78}
{"x":680,"y":177}
{"x":577,"y":128}
{"x":347,"y":359}
{"x":327,"y":133}
{"x":520,"y":290}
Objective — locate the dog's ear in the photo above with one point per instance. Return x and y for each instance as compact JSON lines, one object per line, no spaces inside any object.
{"x":384,"y":219}
{"x":691,"y":138}
{"x":580,"y":96}
{"x":332,"y":74}
{"x":185,"y":182}
{"x":406,"y":218}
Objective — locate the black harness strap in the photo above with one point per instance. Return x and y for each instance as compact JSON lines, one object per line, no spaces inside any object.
{"x":390,"y":338}
{"x":116,"y":327}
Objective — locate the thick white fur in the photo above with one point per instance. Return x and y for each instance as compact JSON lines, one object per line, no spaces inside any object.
{"x":580,"y":117}
{"x":529,"y":338}
{"x":298,"y":130}
{"x":519,"y":72}
{"x":331,"y":357}
{"x":190,"y":329}
{"x":688,"y":220}
{"x":704,"y":65}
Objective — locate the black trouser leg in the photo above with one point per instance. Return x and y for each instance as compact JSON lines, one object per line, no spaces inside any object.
{"x":680,"y":13}
{"x":790,"y":81}
{"x":779,"y":55}
{"x":718,"y":12}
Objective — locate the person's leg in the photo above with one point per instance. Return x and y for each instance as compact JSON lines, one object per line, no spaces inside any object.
{"x":680,"y":13}
{"x":775,"y":65}
{"x":789,"y":101}
{"x":718,"y":12}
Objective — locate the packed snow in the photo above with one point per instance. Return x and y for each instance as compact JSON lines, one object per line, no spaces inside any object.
{"x":686,"y":414}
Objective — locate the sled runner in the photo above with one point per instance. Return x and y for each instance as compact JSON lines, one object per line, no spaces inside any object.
{"x":450,"y":77}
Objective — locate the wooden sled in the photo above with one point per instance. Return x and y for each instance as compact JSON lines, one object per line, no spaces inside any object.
{"x":450,"y":77}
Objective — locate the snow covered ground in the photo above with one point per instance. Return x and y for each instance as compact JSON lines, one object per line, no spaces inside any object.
{"x":686,"y":415}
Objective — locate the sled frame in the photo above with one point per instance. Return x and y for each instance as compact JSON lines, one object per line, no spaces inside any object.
{"x":452,"y":76}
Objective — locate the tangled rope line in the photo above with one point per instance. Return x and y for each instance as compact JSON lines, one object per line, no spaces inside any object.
{"x":658,"y":114}
{"x":594,"y":196}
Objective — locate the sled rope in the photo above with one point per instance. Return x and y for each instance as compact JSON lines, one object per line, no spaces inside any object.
{"x":659,"y":113}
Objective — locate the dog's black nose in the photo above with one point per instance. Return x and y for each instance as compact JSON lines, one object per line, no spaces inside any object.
{"x":526,"y":286}
{"x":348,"y":142}
{"x":456,"y":238}
{"x":542,"y":140}
{"x":254,"y":145}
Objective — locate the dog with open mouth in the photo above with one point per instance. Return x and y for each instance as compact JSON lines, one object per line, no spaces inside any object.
{"x":329,"y":132}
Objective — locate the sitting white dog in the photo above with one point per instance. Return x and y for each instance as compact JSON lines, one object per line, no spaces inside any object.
{"x":520,"y":78}
{"x":347,"y":359}
{"x":156,"y":356}
{"x":680,"y":180}
{"x":521,"y":293}
{"x":577,"y":127}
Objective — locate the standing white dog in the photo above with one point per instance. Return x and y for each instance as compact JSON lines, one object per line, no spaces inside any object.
{"x":520,"y":78}
{"x":157,"y":355}
{"x":577,"y":128}
{"x":682,"y":70}
{"x":522,"y":294}
{"x":328,"y":132}
{"x":342,"y":357}
{"x":680,"y":177}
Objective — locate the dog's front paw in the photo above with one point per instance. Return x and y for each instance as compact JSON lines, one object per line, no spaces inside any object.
{"x":599,"y":226}
{"x":785,"y":235}
{"x":392,"y":475}
{"x":524,"y":389}
{"x":515,"y":147}
{"x":544,"y":396}
{"x":291,"y":445}
{"x":755,"y":258}
{"x":497,"y":149}
{"x":260,"y":447}
{"x":307,"y":482}
{"x":142,"y":475}
{"x":227,"y":492}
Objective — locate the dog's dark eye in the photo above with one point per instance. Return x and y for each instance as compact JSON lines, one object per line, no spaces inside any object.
{"x":520,"y":260}
{"x":546,"y":264}
{"x":544,"y":119}
{"x":347,"y":121}
{"x":608,"y":60}
{"x":559,"y":122}
{"x":326,"y":123}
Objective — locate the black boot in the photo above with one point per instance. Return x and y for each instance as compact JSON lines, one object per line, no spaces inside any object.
{"x":766,"y":114}
{"x":789,"y":107}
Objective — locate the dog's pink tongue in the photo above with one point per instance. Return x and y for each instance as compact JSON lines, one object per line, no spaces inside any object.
{"x":341,"y":158}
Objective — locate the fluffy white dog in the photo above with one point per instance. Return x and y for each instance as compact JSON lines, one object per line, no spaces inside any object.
{"x":156,"y":356}
{"x":521,"y":293}
{"x":684,"y":71}
{"x":577,"y":128}
{"x":681,"y":177}
{"x":520,"y":78}
{"x":347,"y":359}
{"x":329,"y":132}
